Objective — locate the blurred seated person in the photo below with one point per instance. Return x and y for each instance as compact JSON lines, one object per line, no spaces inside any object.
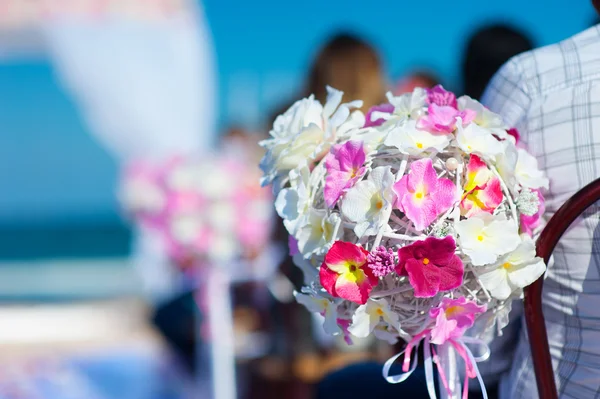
{"x":419,"y":78}
{"x":350,"y":64}
{"x":486,"y":51}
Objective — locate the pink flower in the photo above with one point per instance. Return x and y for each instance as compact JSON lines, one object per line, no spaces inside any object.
{"x":422,"y":196}
{"x":344,"y":324}
{"x":452,"y":318}
{"x":514,"y":133}
{"x":530,"y":223}
{"x":483,"y":192}
{"x":381,"y":261}
{"x":345,"y":274}
{"x":442,"y":118}
{"x":431,"y":266}
{"x":293,"y":245}
{"x":382,"y":108}
{"x":440,"y":96}
{"x":345,"y":166}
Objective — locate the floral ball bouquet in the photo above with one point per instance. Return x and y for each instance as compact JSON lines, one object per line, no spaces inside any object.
{"x":412,"y":222}
{"x":208,"y":210}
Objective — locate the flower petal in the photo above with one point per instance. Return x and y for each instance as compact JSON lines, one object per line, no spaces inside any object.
{"x":343,"y":254}
{"x":451,"y":275}
{"x":422,"y":173}
{"x":443,"y":329}
{"x":522,"y":276}
{"x":354,"y":286}
{"x":496,"y":282}
{"x":362,"y":323}
{"x":421,"y":213}
{"x":425,"y":279}
{"x":328,"y":277}
{"x":445,"y":195}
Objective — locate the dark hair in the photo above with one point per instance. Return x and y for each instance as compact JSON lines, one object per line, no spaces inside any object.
{"x":350,"y":64}
{"x":487,"y":50}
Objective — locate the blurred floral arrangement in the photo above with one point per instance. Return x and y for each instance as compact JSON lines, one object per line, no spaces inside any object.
{"x":413,"y":221}
{"x":208,"y":209}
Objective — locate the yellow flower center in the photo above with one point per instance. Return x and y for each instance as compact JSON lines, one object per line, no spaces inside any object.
{"x":324,"y":302}
{"x":379,"y":312}
{"x":419,"y":145}
{"x":379,"y":204}
{"x":425,"y":261}
{"x":451,"y":310}
{"x":507,"y":265}
{"x":469,"y":148}
{"x":352,"y":268}
{"x":479,"y":237}
{"x":419,"y":195}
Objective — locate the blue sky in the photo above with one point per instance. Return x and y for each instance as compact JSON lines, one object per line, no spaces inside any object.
{"x":50,"y":170}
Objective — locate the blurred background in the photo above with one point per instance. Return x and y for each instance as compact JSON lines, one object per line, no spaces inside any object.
{"x":88,"y":86}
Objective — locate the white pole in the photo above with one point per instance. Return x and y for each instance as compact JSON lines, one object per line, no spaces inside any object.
{"x":220,"y":319}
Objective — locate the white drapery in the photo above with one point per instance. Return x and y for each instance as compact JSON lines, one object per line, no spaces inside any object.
{"x":146,"y":89}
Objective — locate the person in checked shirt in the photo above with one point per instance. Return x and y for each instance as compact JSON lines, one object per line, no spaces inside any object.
{"x":552,"y":96}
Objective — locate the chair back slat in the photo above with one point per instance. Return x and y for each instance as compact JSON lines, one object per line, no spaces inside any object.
{"x":536,"y":327}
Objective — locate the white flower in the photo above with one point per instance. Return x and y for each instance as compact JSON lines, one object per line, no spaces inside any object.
{"x":305,"y":133}
{"x":370,"y":315}
{"x":410,"y":140}
{"x":293,"y":203}
{"x":409,"y":105}
{"x":222,"y":216}
{"x":372,"y":137}
{"x":369,"y":202}
{"x":479,"y":140}
{"x":516,"y":270}
{"x":322,"y":305}
{"x":484,"y":237}
{"x":223,"y":247}
{"x":506,"y":162}
{"x":527,"y":172}
{"x":185,"y":228}
{"x":318,"y":233}
{"x":142,"y":196}
{"x":483,"y":116}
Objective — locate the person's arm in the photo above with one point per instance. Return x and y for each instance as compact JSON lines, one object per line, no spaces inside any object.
{"x":506,"y":95}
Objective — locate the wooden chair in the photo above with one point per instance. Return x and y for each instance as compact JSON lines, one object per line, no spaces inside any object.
{"x":536,"y":328}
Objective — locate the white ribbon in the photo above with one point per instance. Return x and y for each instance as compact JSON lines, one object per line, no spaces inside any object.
{"x":398,"y":378}
{"x":429,"y":369}
{"x":475,"y":360}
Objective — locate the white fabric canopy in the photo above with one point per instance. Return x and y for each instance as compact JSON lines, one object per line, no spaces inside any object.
{"x":145,"y":86}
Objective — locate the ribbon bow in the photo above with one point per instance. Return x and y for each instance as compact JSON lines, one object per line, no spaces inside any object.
{"x":471,"y":369}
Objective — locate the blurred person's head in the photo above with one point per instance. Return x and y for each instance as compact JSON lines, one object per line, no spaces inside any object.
{"x":416,"y":79}
{"x":351,"y":65}
{"x":487,"y":50}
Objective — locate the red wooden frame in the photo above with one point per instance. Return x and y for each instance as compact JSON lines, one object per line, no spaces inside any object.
{"x":536,"y":327}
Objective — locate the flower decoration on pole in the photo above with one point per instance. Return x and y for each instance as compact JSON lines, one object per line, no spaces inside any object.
{"x":206,"y":210}
{"x":428,"y":206}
